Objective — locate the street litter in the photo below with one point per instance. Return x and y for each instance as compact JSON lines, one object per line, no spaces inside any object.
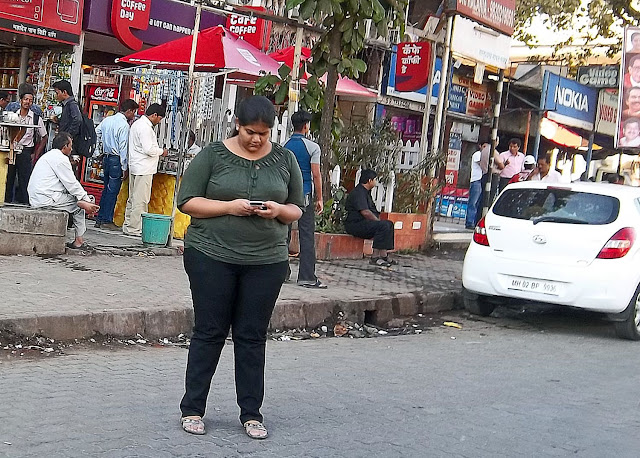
{"x":382,"y":332}
{"x":452,"y":324}
{"x":339,"y":330}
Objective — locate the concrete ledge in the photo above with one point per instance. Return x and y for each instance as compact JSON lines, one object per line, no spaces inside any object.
{"x":171,"y":321}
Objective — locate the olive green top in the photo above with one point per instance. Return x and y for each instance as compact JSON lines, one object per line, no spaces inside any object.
{"x":218,"y":174}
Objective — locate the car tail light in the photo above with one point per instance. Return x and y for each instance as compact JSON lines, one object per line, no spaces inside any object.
{"x":480,"y":234}
{"x":618,"y":245}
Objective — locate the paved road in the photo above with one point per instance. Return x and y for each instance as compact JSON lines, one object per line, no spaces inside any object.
{"x":520,"y":384}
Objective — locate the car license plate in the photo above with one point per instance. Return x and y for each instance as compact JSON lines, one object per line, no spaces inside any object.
{"x":534,"y":285}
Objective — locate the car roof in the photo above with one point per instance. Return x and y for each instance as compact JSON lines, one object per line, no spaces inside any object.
{"x":607,"y":189}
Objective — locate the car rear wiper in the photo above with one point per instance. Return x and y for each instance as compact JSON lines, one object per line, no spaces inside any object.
{"x":558,"y":219}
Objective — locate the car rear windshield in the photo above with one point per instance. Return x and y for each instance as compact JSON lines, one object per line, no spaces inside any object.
{"x":557,"y":205}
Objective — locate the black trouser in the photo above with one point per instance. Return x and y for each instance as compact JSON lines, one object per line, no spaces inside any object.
{"x":229,"y":295}
{"x":380,"y":231}
{"x":22,"y":169}
{"x":504,"y":181}
{"x":306,"y":237}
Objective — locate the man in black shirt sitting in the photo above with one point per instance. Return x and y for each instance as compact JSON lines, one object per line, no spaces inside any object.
{"x":363,"y":220}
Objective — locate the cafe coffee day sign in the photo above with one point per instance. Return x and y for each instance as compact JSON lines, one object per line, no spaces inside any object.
{"x":59,"y":21}
{"x":166,"y":20}
{"x":569,"y":102}
{"x":253,"y":30}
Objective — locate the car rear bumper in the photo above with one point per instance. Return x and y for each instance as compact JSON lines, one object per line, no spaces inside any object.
{"x":598,"y":286}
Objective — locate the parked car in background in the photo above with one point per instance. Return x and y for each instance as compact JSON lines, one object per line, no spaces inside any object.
{"x":573,"y":245}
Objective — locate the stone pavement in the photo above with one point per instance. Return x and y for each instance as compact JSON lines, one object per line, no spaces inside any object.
{"x":500,"y":389}
{"x":77,"y":296}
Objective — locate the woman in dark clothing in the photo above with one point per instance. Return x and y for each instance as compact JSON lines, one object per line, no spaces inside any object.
{"x":241,"y":194}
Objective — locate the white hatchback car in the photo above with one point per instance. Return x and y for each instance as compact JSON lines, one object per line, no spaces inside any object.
{"x":570,"y":245}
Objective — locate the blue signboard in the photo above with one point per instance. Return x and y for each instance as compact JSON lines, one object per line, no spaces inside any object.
{"x":457,"y":99}
{"x":417,"y":96}
{"x":569,"y":102}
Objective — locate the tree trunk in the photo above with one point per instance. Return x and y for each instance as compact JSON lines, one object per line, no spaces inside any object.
{"x":326,"y":121}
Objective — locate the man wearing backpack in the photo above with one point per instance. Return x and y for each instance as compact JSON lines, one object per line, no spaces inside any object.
{"x":30,"y":144}
{"x":71,"y":117}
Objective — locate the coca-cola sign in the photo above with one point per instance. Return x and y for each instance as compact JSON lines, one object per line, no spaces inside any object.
{"x":104,"y":94}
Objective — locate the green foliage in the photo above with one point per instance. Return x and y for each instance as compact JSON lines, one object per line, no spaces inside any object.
{"x":583,"y":22}
{"x":331,"y":220}
{"x":370,"y":146}
{"x":415,"y":187}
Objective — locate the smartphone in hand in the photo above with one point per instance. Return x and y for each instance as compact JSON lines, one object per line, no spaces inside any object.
{"x":257,"y":203}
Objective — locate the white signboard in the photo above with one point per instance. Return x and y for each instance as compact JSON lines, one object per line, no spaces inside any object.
{"x":607,"y":114}
{"x":480,"y":43}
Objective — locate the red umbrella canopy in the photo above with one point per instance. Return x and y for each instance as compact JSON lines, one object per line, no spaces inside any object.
{"x":217,"y":49}
{"x":286,"y":55}
{"x":346,"y":87}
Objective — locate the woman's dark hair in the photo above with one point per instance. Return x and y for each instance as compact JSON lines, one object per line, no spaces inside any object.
{"x":61,"y":140}
{"x":256,"y":109}
{"x":367,"y":175}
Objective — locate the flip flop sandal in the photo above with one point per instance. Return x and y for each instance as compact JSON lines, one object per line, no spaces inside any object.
{"x":70,"y":245}
{"x":255,"y":429}
{"x":193,"y":425}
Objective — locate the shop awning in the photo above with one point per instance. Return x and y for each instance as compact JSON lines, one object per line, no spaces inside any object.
{"x":346,"y":87}
{"x":217,"y":49}
{"x":563,"y":136}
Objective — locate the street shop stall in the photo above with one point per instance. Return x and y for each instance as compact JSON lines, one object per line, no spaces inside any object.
{"x":201,"y":104}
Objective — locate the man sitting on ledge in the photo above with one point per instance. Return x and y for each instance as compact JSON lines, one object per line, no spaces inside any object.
{"x":363,"y":220}
{"x":53,"y":186}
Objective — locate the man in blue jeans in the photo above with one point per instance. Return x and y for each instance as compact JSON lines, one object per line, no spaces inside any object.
{"x":479,"y":168}
{"x":307,"y":153}
{"x":113,"y":133}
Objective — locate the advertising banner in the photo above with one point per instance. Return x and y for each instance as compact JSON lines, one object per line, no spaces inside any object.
{"x":628,"y":126}
{"x":167,"y":19}
{"x":56,"y":20}
{"x":479,"y":43}
{"x":497,"y":14}
{"x":412,"y":67}
{"x":419,"y":95}
{"x":569,"y":102}
{"x":453,"y":155}
{"x":607,"y":114}
{"x":108,"y":94}
{"x":256,"y":31}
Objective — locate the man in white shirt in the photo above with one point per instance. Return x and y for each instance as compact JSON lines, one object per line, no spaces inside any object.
{"x":31,"y":141}
{"x":54,"y":186}
{"x":544,"y":172}
{"x":192,"y":147}
{"x":144,"y":153}
{"x":479,"y":167}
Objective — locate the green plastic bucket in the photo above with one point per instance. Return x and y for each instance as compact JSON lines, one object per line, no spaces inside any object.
{"x":155,"y":229}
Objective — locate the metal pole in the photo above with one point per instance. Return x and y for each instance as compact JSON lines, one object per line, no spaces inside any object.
{"x":427,"y":107}
{"x":294,"y":85}
{"x":545,"y":89}
{"x":589,"y":154}
{"x":525,"y":142}
{"x":488,"y":198}
{"x":188,"y":91}
{"x":442,"y":90}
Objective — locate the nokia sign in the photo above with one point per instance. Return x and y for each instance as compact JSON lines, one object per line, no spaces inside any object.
{"x":569,"y":102}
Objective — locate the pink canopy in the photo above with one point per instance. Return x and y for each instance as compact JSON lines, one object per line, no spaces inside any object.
{"x":346,"y":88}
{"x":217,"y":49}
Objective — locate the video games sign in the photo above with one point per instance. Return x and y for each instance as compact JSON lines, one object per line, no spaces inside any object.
{"x":599,"y":76}
{"x":59,"y":21}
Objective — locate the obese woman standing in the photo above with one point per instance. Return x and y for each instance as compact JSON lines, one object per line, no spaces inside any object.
{"x":241,"y":194}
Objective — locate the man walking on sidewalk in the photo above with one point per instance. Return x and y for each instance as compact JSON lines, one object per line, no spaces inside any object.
{"x":307,"y":153}
{"x":143,"y":164}
{"x":113,"y":131}
{"x":479,"y":167}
